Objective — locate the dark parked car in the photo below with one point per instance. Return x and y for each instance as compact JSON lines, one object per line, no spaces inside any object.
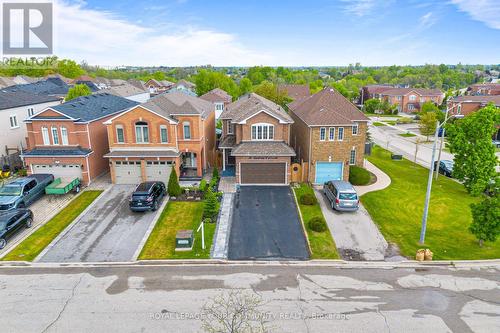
{"x":147,"y":196}
{"x":12,"y":221}
{"x":445,"y":167}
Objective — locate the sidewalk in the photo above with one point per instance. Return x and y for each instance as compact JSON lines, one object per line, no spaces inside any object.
{"x":383,"y":180}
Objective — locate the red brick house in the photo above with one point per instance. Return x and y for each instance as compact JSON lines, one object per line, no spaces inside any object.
{"x":219,"y":98}
{"x":69,"y":140}
{"x":255,"y":141}
{"x":372,"y":91}
{"x":328,"y":135}
{"x":410,"y":100}
{"x":156,"y":86}
{"x":484,"y":89}
{"x":173,"y":130}
{"x":296,"y":91}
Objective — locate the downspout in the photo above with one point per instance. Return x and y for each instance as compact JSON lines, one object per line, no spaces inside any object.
{"x":88,"y":136}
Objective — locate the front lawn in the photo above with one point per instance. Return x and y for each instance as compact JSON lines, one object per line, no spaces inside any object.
{"x":178,"y":215}
{"x":322,"y":244}
{"x":378,"y":123}
{"x":32,"y":246}
{"x":398,"y":212}
{"x":407,"y":135}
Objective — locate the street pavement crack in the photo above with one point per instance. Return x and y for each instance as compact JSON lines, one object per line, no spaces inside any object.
{"x":385,"y":320}
{"x":304,"y":317}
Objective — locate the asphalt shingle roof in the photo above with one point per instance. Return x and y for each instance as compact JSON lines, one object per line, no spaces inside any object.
{"x":178,"y":103}
{"x":405,"y":91}
{"x":51,"y":86}
{"x":296,"y":91}
{"x":148,"y":153}
{"x":16,"y":98}
{"x":217,"y":95}
{"x":124,"y":90}
{"x":495,"y":99}
{"x":76,"y":151}
{"x":263,"y":148}
{"x":251,"y":104}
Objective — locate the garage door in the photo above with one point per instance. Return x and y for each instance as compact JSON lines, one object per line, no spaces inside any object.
{"x":326,"y":171}
{"x":158,"y":170}
{"x":263,"y":173}
{"x":69,"y":171}
{"x":128,"y":172}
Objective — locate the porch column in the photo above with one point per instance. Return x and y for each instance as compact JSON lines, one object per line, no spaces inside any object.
{"x":223,"y":159}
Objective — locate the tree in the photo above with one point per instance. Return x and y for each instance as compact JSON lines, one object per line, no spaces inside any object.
{"x":77,"y":91}
{"x":486,"y":219}
{"x":470,"y":141}
{"x":428,"y":107}
{"x":208,"y":80}
{"x":69,"y":69}
{"x":427,"y":124}
{"x":270,"y":91}
{"x":210,"y":208}
{"x":174,"y":189}
{"x":245,"y":86}
{"x":372,"y":105}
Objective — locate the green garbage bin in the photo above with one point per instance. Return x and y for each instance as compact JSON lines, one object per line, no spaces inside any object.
{"x":184,"y":240}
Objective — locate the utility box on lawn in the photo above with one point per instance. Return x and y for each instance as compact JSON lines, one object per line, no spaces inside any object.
{"x":184,"y":240}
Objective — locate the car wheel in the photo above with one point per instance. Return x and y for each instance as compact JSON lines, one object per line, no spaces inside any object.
{"x":155,"y":205}
{"x":3,"y":243}
{"x":77,"y":189}
{"x":29,"y":222}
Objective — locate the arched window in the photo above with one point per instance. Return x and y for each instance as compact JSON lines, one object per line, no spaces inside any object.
{"x":141,"y":132}
{"x":262,"y":131}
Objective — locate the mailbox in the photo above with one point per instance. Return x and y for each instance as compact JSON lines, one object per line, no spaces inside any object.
{"x":184,"y":240}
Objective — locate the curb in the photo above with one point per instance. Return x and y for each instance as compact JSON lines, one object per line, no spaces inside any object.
{"x":150,"y":228}
{"x":68,"y":228}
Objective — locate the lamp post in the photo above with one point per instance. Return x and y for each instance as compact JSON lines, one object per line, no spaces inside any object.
{"x":442,"y":140}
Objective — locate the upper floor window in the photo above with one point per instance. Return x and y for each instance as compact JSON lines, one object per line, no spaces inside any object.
{"x":322,"y":134}
{"x":163,"y":134}
{"x":120,"y":134}
{"x":55,"y":135}
{"x":399,"y":98}
{"x":31,"y":112}
{"x":219,"y":106}
{"x":64,"y":136}
{"x":13,"y":121}
{"x":45,"y":136}
{"x":186,"y":128}
{"x":141,"y":132}
{"x":331,"y":134}
{"x":355,"y":129}
{"x":262,"y":132}
{"x":413,"y":97}
{"x":340,"y":135}
{"x":230,"y":128}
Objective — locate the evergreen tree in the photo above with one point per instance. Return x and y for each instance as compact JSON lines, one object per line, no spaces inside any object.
{"x":210,"y":206}
{"x":174,"y":189}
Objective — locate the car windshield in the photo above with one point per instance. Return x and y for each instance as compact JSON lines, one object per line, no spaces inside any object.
{"x":10,"y":190}
{"x":348,"y":196}
{"x":448,"y":164}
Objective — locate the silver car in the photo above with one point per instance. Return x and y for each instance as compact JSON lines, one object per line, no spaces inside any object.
{"x":342,"y":195}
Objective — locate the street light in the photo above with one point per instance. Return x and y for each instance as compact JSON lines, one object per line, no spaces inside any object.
{"x":431,"y":170}
{"x":442,"y":138}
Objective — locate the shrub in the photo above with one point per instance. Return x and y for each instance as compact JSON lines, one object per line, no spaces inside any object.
{"x":317,"y":224}
{"x":174,"y":189}
{"x":208,"y":220}
{"x":210,"y":206}
{"x":203,"y":185}
{"x":22,"y":172}
{"x":215,"y":174}
{"x":213,"y":184}
{"x":308,"y":199}
{"x":358,"y":175}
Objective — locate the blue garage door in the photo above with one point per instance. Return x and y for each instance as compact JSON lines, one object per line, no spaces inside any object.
{"x":326,"y":171}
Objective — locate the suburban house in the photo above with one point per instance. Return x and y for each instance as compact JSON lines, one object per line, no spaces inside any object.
{"x":484,"y":89}
{"x":328,"y":134}
{"x":138,"y":84}
{"x":157,"y":87}
{"x":410,"y":100}
{"x":255,"y":141}
{"x":372,"y":91}
{"x":70,"y":140}
{"x":219,"y":98}
{"x":52,"y":86}
{"x":6,"y":82}
{"x":296,"y":91}
{"x":184,"y":86}
{"x":15,"y":107}
{"x":169,"y":131}
{"x":129,"y":91}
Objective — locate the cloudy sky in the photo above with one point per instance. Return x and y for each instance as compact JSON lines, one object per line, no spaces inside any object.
{"x":266,"y":32}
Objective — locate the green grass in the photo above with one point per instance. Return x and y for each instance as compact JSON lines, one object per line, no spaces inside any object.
{"x":178,"y":215}
{"x":407,"y":135}
{"x":398,"y":212}
{"x":32,"y":246}
{"x":382,"y":115}
{"x":378,"y":123}
{"x":390,"y":122}
{"x":322,"y":244}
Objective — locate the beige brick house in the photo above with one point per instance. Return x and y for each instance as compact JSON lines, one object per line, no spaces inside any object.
{"x":328,"y":135}
{"x":255,"y":141}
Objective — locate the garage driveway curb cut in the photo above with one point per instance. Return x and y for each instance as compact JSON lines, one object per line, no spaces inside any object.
{"x":150,"y":228}
{"x":302,"y":222}
{"x":68,"y":228}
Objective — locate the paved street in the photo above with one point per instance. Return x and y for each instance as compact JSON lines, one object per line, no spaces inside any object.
{"x":109,"y":231}
{"x":297,"y":298}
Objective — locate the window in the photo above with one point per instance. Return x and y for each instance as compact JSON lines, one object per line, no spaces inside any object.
{"x":13,"y":121}
{"x":187,"y":130}
{"x":31,"y":112}
{"x":120,"y":135}
{"x":163,"y":134}
{"x":355,"y":129}
{"x":55,"y":136}
{"x":64,"y":136}
{"x":411,"y":107}
{"x":413,"y":97}
{"x":340,"y":136}
{"x":322,"y":134}
{"x":230,"y":128}
{"x":352,"y":157}
{"x":331,"y":134}
{"x":141,"y":132}
{"x":219,"y":106}
{"x":45,"y":136}
{"x":459,"y":108}
{"x":262,"y":132}
{"x":399,"y":98}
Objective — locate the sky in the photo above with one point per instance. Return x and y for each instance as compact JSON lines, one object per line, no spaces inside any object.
{"x":277,"y":32}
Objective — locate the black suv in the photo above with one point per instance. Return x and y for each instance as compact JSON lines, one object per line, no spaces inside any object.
{"x":147,"y":196}
{"x":12,"y":221}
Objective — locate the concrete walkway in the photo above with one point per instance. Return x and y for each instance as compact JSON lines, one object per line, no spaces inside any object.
{"x":383,"y":180}
{"x":220,"y":247}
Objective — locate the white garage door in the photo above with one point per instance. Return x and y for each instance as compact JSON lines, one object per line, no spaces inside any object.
{"x":67,"y":171}
{"x":127,"y":172}
{"x":158,"y":170}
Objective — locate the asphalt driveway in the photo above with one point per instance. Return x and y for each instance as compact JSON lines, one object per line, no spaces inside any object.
{"x":107,"y":232}
{"x":265,"y":225}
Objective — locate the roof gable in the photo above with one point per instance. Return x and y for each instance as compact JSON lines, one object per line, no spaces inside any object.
{"x":252,"y":104}
{"x":155,"y":112}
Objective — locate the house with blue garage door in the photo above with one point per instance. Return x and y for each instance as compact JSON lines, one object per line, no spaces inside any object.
{"x":328,"y":135}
